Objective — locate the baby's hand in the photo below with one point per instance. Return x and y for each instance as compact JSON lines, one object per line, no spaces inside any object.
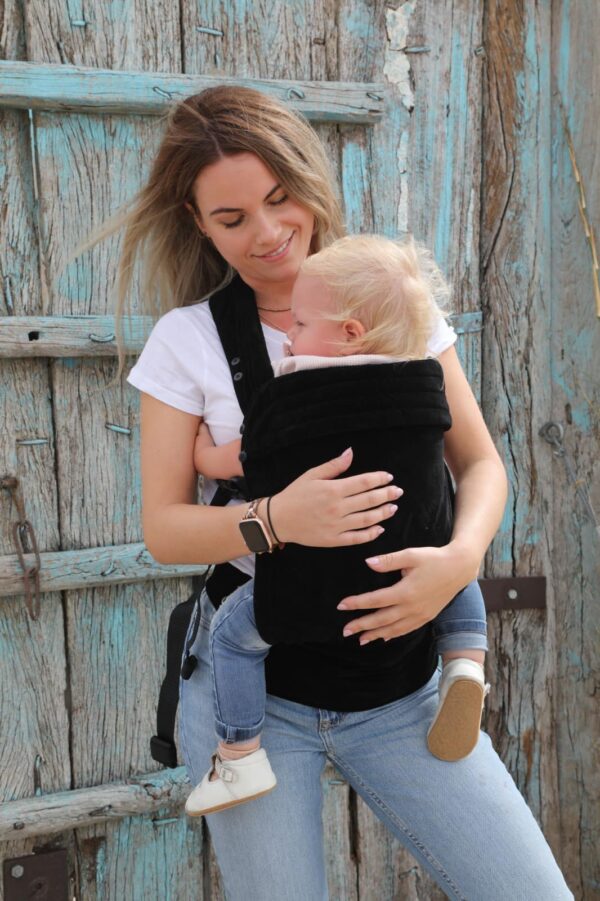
{"x":220,"y":462}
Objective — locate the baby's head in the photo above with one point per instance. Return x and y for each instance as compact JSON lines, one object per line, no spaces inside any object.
{"x":366,"y":294}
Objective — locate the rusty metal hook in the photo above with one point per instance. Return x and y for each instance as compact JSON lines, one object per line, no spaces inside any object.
{"x":25,"y":543}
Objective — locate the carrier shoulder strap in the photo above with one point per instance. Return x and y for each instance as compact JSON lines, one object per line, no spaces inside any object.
{"x":234,"y":311}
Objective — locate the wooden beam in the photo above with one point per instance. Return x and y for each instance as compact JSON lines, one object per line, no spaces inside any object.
{"x":70,"y":336}
{"x":61,"y":811}
{"x":90,"y":567}
{"x":94,"y":336}
{"x":84,"y":89}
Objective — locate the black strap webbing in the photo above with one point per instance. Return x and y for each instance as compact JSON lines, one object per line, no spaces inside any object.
{"x":162,"y":745}
{"x":234,"y":311}
{"x":240,"y":332}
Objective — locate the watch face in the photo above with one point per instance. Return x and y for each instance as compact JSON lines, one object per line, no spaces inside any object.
{"x":254,"y":536}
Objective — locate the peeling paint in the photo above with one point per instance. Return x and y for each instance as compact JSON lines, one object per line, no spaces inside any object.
{"x":396,"y":67}
{"x":396,"y":71}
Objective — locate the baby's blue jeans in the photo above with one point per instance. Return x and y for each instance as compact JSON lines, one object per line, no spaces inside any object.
{"x":465,"y":822}
{"x":238,"y":652}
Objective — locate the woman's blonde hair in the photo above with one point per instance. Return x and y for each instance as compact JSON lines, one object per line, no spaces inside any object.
{"x":394,"y":288}
{"x":179,"y":266}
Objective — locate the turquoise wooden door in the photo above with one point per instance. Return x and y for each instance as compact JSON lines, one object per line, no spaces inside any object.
{"x":442,"y":124}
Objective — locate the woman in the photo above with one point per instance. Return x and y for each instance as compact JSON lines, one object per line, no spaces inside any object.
{"x":241,"y":185}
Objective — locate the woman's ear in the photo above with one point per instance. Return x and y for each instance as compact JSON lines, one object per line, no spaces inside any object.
{"x":196,"y":216}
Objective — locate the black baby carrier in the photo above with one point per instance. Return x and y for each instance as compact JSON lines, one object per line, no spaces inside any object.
{"x":394,"y":416}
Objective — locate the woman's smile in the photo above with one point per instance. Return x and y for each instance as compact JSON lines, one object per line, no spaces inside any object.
{"x":278,"y":253}
{"x":254,"y":223}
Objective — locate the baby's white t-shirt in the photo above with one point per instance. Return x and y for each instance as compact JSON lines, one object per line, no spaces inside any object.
{"x":183,"y":365}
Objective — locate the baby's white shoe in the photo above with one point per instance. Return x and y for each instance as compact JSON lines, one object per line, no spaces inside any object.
{"x":239,"y":781}
{"x":454,"y":731}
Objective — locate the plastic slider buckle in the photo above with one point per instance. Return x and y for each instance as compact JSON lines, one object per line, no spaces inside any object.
{"x":188,"y":666}
{"x":163,"y":751}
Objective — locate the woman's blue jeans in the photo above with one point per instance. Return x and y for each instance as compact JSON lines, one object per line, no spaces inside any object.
{"x":465,"y":822}
{"x":238,"y":653}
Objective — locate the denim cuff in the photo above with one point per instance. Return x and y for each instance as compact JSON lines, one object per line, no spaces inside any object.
{"x":458,"y":641}
{"x":230,"y":734}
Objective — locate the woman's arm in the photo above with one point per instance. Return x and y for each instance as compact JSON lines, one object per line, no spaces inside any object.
{"x":433,"y":576}
{"x":318,"y":508}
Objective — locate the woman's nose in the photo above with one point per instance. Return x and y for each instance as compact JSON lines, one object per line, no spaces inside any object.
{"x":267,"y":230}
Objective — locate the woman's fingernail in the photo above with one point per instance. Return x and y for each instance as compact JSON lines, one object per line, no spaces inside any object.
{"x":393,"y":508}
{"x":362,"y":641}
{"x":347,"y":632}
{"x":347,"y":451}
{"x":380,"y":529}
{"x":373,"y":561}
{"x":342,"y":606}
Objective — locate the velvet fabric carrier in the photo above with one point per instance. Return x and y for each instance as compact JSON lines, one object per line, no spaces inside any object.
{"x":394,"y":416}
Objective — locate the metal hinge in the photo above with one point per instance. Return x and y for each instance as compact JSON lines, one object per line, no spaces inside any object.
{"x":520,"y":593}
{"x":37,"y":877}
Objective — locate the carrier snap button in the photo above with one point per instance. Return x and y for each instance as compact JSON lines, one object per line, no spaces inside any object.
{"x":238,"y":376}
{"x":235,"y":361}
{"x":242,"y":456}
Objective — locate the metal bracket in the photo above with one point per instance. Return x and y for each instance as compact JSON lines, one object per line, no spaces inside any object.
{"x":521,"y":593}
{"x":37,"y":877}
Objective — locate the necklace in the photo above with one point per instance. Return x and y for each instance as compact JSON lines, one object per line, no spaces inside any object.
{"x":269,"y":310}
{"x":265,"y":319}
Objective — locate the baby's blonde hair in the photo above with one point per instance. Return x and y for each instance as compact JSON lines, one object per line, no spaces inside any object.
{"x":394,"y":288}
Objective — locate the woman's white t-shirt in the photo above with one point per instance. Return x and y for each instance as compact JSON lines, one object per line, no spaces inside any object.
{"x":183,"y":364}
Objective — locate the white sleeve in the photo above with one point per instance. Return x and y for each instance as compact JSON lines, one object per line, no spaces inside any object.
{"x":442,"y":337}
{"x":170,"y":366}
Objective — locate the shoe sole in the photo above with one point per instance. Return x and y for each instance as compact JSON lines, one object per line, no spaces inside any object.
{"x":235,"y":803}
{"x":454,"y":732}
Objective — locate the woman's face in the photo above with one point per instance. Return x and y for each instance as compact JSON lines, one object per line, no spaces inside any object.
{"x":253,"y":223}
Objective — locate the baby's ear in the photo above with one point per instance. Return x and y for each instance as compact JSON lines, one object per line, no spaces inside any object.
{"x":353,"y":328}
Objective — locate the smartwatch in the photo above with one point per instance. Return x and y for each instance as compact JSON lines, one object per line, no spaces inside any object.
{"x":255,"y":532}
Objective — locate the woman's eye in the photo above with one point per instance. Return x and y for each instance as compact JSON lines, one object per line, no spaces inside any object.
{"x":281,"y":200}
{"x":233,"y":224}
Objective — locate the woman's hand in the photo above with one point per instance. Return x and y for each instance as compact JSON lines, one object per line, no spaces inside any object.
{"x":431,"y":577}
{"x":320,"y":510}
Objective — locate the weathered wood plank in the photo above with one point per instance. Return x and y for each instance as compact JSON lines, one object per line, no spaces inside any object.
{"x":70,"y":336}
{"x":45,"y":814}
{"x":88,"y":165}
{"x":575,"y":349}
{"x":34,"y":727}
{"x":515,"y":239}
{"x":444,"y":140}
{"x":78,"y":89}
{"x":94,"y":336}
{"x":340,"y":857}
{"x":89,"y":568}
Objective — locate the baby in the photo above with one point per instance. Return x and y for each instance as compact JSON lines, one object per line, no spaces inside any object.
{"x":363,"y":300}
